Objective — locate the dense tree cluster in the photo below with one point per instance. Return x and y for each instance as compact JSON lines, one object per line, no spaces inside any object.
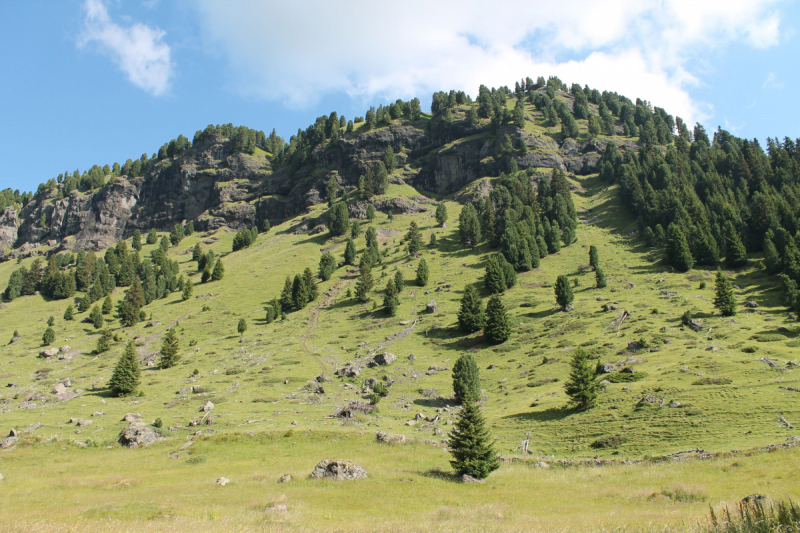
{"x":244,"y":238}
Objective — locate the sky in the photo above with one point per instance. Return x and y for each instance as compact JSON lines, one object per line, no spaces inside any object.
{"x":97,"y":81}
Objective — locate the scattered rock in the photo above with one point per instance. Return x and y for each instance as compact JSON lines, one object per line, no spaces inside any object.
{"x":386,"y":438}
{"x":12,"y":384}
{"x":542,"y":464}
{"x":674,"y":404}
{"x":209,"y":405}
{"x":412,"y":357}
{"x":430,"y":307}
{"x":132,"y":417}
{"x":279,"y":508}
{"x":338,"y":469}
{"x":223,"y":481}
{"x":137,"y":434}
{"x":751,"y":304}
{"x":13,"y":433}
{"x":712,"y":348}
{"x":8,"y":442}
{"x":609,"y":368}
{"x":59,"y":388}
{"x":384,"y":359}
{"x":566,"y":309}
{"x":50,"y":352}
{"x":15,"y":339}
{"x":286,"y":478}
{"x":634,"y":346}
{"x":753,"y":498}
{"x":83,"y":423}
{"x":469,"y":479}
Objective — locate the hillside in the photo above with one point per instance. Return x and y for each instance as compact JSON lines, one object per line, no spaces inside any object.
{"x":730,"y":386}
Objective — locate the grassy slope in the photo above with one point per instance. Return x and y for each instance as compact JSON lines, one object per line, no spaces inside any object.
{"x":256,"y":382}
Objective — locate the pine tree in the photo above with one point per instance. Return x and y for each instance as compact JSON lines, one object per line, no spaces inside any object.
{"x":197,"y":253}
{"x":84,"y":303}
{"x":724,"y":300}
{"x":96,"y":317}
{"x":310,"y":282}
{"x":152,"y":237}
{"x":350,"y":252}
{"x":414,"y":239}
{"x":136,"y":240}
{"x":581,"y":386}
{"x":68,"y":314}
{"x":389,"y":159}
{"x":206,"y":276}
{"x":600,"y":278}
{"x":471,"y":317}
{"x":108,"y":305}
{"x":441,"y":213}
{"x":364,"y":282}
{"x":370,"y":212}
{"x":241,"y":327}
{"x":469,"y":227}
{"x":300,"y":296}
{"x":286,"y":299}
{"x":469,"y":443}
{"x":495,"y":278}
{"x":169,"y":349}
{"x":466,"y":378}
{"x":399,"y":282}
{"x":49,"y":336}
{"x":772,"y":259}
{"x":331,"y":189}
{"x":104,"y":341}
{"x":678,"y":254}
{"x":594,"y":257}
{"x":219,"y":271}
{"x":563,"y":289}
{"x":355,"y":229}
{"x":339,"y":219}
{"x":127,"y":375}
{"x":188,"y":288}
{"x":327,"y":264}
{"x":422,"y":273}
{"x":497,"y":329}
{"x":51,"y":320}
{"x":735,"y":252}
{"x":390,"y":300}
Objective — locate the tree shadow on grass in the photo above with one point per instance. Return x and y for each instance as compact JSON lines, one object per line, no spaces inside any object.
{"x":436,"y":402}
{"x":548,"y":415}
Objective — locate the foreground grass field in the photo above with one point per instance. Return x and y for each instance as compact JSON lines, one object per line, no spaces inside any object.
{"x":729,"y":387}
{"x":55,"y":487}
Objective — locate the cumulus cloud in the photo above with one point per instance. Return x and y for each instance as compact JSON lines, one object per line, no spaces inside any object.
{"x":138,"y":51}
{"x":297,"y":52}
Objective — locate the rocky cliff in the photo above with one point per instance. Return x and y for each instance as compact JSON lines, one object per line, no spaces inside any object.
{"x":214,"y":187}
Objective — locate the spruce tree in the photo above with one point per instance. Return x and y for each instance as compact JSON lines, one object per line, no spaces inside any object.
{"x":364,"y":282}
{"x":495,"y":278}
{"x":68,"y":313}
{"x":152,"y":237}
{"x":466,"y":378}
{"x":470,"y":444}
{"x":594,"y":257}
{"x":399,"y":282}
{"x":49,"y":336}
{"x":471,"y":317}
{"x":497,"y":329}
{"x":600,"y":278}
{"x":370,"y":212}
{"x":390,"y":300}
{"x":300,"y":296}
{"x":310,"y":282}
{"x":724,"y":300}
{"x":104,"y":341}
{"x":219,"y":271}
{"x":127,"y":375}
{"x":169,"y":349}
{"x":581,"y":386}
{"x":108,"y":305}
{"x":206,"y":276}
{"x":136,"y":240}
{"x":414,"y":239}
{"x":286,"y":299}
{"x":188,"y":288}
{"x":422,"y":273}
{"x":241,"y":327}
{"x":355,"y":229}
{"x":678,"y":253}
{"x":735,"y":252}
{"x":563,"y":289}
{"x":339,"y":219}
{"x":197,"y":253}
{"x":772,"y":259}
{"x":327,"y":264}
{"x":84,"y":303}
{"x":96,"y":317}
{"x":469,"y":227}
{"x":350,"y":252}
{"x":441,"y":213}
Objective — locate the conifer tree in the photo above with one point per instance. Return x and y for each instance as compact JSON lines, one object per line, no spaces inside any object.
{"x":370,"y":212}
{"x":422,"y":273}
{"x":594,"y":257}
{"x":68,"y":313}
{"x":470,"y":443}
{"x":310,"y":282}
{"x":772,"y":259}
{"x":581,"y":386}
{"x":327,"y":264}
{"x":49,"y":336}
{"x":339,"y":219}
{"x":350,"y":252}
{"x":286,"y":299}
{"x":206,"y":276}
{"x":241,"y":327}
{"x":678,"y":254}
{"x":84,"y":303}
{"x":197,"y":253}
{"x":495,"y":278}
{"x":108,"y":305}
{"x":441,"y":213}
{"x":364,"y":282}
{"x":188,"y":288}
{"x":219,"y":271}
{"x":331,"y":189}
{"x":50,"y":321}
{"x":466,"y":378}
{"x":164,"y":243}
{"x":96,"y":317}
{"x":390,"y":300}
{"x":563,"y":289}
{"x":169,"y":349}
{"x":600,"y":278}
{"x":724,"y":300}
{"x":104,"y":341}
{"x":399,"y":282}
{"x":136,"y":240}
{"x":127,"y":375}
{"x":471,"y":317}
{"x":300,"y":296}
{"x":735,"y":252}
{"x":355,"y":229}
{"x":152,"y":237}
{"x":389,"y":159}
{"x":469,"y":227}
{"x":373,"y":253}
{"x":414,"y":239}
{"x":497,"y":329}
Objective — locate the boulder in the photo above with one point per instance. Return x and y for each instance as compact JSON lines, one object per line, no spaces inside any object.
{"x":430,"y":307}
{"x":751,"y":304}
{"x":223,"y":481}
{"x":209,"y":405}
{"x":64,"y":349}
{"x":286,"y":478}
{"x":132,"y":417}
{"x":59,"y":388}
{"x":609,"y":368}
{"x":387,"y":438}
{"x":466,"y":478}
{"x":137,"y":434}
{"x":152,"y":324}
{"x":8,"y":442}
{"x":338,"y":469}
{"x":13,"y":433}
{"x":50,"y":352}
{"x":15,"y":339}
{"x":384,"y":359}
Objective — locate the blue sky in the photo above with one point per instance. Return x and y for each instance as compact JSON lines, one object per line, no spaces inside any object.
{"x":99,"y":81}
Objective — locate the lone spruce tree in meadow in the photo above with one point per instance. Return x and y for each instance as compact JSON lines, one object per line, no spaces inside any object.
{"x":724,"y":300}
{"x":414,"y":238}
{"x":497,"y":329}
{"x":563,"y":289}
{"x":594,"y":257}
{"x":581,"y":386}
{"x":390,"y":300}
{"x":327,"y":264}
{"x":466,"y":378}
{"x":600,"y":278}
{"x":422,"y":273}
{"x":104,"y":341}
{"x":470,"y":443}
{"x":470,"y":316}
{"x":49,"y":336}
{"x":364,"y":282}
{"x":96,"y":316}
{"x":68,"y":313}
{"x":188,"y":288}
{"x":169,"y":349}
{"x":441,"y":213}
{"x":241,"y":327}
{"x":127,"y":375}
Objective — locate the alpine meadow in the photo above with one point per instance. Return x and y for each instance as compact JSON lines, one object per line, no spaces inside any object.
{"x":543,"y":307}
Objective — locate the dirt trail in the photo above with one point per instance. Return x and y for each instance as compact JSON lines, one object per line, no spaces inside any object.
{"x":331,"y":295}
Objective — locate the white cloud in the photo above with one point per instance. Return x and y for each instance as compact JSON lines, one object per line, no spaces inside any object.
{"x":772,"y":82}
{"x":137,"y":50}
{"x":297,"y":52}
